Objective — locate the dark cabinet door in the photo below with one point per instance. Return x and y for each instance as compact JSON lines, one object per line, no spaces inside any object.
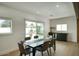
{"x":62,"y":36}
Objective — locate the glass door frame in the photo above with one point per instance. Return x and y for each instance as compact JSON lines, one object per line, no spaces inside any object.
{"x":32,"y":21}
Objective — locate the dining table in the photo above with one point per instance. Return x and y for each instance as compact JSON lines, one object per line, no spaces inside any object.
{"x":34,"y":43}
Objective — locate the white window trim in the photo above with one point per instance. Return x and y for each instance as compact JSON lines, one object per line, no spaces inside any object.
{"x":61,"y":28}
{"x":6,"y":18}
{"x":32,"y":21}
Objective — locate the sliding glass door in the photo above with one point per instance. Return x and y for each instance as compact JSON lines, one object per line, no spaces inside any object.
{"x":34,"y":28}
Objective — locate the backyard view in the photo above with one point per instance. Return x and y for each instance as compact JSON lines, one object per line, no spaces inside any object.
{"x":5,"y":26}
{"x":34,"y":28}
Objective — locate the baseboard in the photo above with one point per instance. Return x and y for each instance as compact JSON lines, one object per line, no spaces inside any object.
{"x":2,"y":53}
{"x":72,"y":41}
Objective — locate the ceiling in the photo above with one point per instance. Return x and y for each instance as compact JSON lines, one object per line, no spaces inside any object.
{"x":46,"y":9}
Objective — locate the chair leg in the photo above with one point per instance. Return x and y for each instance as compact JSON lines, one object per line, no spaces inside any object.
{"x":25,"y":54}
{"x":42,"y":53}
{"x":29,"y":54}
{"x":53,"y":48}
{"x":47,"y":51}
{"x":50,"y":50}
{"x":54,"y":45}
{"x":20,"y":54}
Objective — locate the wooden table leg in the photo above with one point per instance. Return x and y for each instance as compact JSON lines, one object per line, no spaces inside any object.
{"x":54,"y":45}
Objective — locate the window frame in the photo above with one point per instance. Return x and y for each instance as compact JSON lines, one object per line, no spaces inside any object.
{"x":61,"y":28}
{"x":7,"y":18}
{"x":36,"y":25}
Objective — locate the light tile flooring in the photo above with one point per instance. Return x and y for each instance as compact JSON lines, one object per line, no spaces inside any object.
{"x":62,"y":49}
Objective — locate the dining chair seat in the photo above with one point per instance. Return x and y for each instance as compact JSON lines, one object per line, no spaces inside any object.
{"x":23,"y":51}
{"x":28,"y":50}
{"x":43,"y":47}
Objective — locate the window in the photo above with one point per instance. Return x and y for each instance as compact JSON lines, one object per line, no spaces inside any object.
{"x":61,"y":27}
{"x":5,"y":25}
{"x":34,"y":28}
{"x":58,"y":27}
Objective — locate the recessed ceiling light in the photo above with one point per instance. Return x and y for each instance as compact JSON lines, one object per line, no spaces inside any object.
{"x":57,"y":6}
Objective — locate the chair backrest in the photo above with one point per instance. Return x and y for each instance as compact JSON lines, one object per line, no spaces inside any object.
{"x":52,"y":42}
{"x":21,"y":47}
{"x":45,"y":45}
{"x":35,"y":37}
{"x":27,"y":38}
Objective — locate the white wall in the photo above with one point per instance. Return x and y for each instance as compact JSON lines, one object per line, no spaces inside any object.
{"x":72,"y":26}
{"x":9,"y":41}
